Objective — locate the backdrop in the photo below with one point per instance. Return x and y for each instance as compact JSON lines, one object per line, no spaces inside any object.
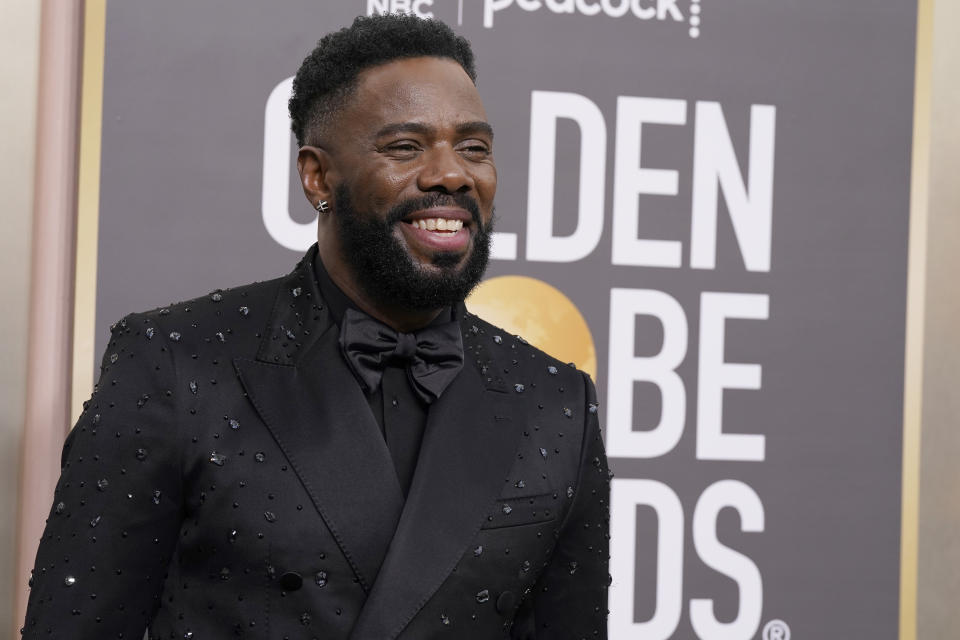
{"x":708,"y":205}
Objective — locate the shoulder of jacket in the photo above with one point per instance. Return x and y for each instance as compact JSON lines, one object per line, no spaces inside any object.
{"x":237,"y":312}
{"x":487,"y":341}
{"x":242,"y":301}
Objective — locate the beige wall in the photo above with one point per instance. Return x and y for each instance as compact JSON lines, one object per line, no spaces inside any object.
{"x":19,"y":51}
{"x":938,"y":615}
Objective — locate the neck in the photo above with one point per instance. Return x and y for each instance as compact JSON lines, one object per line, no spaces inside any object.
{"x":398,"y":319}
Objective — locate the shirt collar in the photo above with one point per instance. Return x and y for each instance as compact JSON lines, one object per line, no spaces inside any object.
{"x":337,"y":301}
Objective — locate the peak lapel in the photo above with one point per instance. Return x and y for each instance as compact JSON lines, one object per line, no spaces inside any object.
{"x":467,"y":452}
{"x":318,"y":415}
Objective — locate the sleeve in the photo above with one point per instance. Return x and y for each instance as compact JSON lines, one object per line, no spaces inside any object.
{"x":116,"y":509}
{"x":570,"y":597}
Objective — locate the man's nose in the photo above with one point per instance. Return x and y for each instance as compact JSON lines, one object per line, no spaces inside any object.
{"x":445,"y":170}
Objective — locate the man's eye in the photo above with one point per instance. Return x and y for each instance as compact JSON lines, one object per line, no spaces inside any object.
{"x":476,"y":149}
{"x":402,"y":147}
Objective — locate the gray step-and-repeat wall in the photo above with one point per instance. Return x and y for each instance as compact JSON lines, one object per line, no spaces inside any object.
{"x":703,"y":203}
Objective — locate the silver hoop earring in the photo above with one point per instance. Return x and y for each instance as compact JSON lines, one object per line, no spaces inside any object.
{"x":322,"y":206}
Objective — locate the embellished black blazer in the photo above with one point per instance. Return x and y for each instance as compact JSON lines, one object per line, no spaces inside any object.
{"x":227,"y":479}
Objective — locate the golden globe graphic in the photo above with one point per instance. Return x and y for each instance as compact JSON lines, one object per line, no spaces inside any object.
{"x":541,"y":314}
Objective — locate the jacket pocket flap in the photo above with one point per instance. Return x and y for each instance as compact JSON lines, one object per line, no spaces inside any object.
{"x":510,"y":512}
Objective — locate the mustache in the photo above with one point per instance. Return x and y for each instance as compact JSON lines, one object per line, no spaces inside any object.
{"x":403,"y":209}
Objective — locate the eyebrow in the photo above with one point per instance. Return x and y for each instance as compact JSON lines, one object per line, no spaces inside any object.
{"x":478,"y":126}
{"x":463,"y":128}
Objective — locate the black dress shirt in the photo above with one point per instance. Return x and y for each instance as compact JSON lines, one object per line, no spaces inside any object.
{"x":399,"y":411}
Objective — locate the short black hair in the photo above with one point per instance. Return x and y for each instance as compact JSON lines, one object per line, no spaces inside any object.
{"x":328,"y":75}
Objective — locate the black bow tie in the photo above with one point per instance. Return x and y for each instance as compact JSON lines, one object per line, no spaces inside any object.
{"x":433,"y":355}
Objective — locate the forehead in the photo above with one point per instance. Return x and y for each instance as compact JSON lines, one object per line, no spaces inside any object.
{"x":434,"y":91}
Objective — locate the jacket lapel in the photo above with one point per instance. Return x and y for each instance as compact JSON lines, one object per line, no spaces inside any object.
{"x":318,"y":415}
{"x":467,"y":451}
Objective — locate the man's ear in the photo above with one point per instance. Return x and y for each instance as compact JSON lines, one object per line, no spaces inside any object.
{"x":313,"y":164}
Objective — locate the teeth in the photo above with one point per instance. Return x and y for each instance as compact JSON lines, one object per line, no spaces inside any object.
{"x":438,"y":224}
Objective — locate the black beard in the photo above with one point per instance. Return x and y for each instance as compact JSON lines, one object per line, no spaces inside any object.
{"x":386,"y":272}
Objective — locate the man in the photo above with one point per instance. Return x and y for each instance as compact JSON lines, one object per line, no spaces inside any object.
{"x":344,"y":452}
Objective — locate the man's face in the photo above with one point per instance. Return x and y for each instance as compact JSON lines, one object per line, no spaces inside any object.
{"x":413,"y":183}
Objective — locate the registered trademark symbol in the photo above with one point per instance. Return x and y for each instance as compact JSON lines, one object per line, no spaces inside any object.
{"x":776,"y":630}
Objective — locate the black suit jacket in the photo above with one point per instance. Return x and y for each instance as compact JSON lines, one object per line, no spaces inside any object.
{"x":227,"y":479}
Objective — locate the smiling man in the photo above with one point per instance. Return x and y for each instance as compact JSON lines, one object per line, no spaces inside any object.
{"x":344,"y":452}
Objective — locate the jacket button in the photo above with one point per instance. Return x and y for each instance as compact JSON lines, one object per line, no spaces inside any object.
{"x":291,"y":581}
{"x":506,"y":602}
